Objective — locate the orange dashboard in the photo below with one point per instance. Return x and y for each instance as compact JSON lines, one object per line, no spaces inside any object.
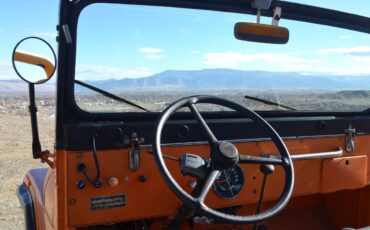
{"x":143,"y":193}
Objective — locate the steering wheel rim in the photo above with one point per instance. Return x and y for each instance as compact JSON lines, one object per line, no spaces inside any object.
{"x":195,"y":202}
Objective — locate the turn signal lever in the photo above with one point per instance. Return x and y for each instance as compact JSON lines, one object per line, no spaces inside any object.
{"x":194,"y":166}
{"x":97,"y":182}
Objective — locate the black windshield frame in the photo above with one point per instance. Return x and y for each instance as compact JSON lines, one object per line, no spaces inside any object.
{"x":69,"y":112}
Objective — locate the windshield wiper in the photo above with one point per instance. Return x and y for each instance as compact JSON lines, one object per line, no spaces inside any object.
{"x":111,"y":96}
{"x":270,"y":103}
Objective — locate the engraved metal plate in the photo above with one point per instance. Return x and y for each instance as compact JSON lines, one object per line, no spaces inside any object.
{"x":107,"y":202}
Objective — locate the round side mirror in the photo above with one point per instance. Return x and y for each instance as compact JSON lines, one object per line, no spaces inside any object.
{"x":34,"y":60}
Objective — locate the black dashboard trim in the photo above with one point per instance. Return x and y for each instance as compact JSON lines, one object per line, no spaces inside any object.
{"x":111,"y":135}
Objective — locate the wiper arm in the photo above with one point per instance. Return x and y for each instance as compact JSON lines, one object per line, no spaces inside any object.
{"x":270,"y":103}
{"x":111,"y":96}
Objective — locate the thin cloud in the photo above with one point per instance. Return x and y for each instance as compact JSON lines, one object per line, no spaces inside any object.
{"x":97,"y":72}
{"x":151,"y":53}
{"x":345,"y":37}
{"x":354,"y":51}
{"x":285,"y":63}
{"x":45,"y":34}
{"x":234,"y":59}
{"x":360,"y":54}
{"x":183,"y":31}
{"x":152,"y":56}
{"x":7,"y":72}
{"x":150,"y":50}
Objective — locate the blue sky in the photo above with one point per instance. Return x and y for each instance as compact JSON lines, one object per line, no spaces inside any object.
{"x":20,"y":19}
{"x":131,"y":41}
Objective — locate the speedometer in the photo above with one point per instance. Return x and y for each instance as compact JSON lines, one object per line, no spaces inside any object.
{"x":229,"y":183}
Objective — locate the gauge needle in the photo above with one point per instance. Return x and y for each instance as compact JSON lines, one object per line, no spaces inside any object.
{"x":228,"y":183}
{"x":230,"y":189}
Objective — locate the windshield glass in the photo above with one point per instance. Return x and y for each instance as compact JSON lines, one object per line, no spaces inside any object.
{"x":152,"y":56}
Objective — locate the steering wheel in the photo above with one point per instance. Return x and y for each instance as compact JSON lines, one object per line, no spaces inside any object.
{"x":224,"y":155}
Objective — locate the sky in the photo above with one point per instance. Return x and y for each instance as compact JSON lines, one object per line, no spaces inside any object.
{"x":130,"y":41}
{"x":24,"y":18}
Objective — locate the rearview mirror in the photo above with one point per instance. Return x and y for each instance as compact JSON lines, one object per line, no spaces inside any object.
{"x":34,"y":60}
{"x":261,"y":33}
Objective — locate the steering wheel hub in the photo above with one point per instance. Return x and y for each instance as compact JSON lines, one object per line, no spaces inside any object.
{"x":225,"y":155}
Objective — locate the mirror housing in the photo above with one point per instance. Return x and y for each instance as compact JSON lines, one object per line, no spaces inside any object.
{"x":25,"y":53}
{"x":261,"y":33}
{"x":34,"y":59}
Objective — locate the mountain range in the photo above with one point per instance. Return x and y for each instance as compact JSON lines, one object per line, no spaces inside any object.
{"x":221,"y":79}
{"x":224,"y":79}
{"x":19,"y":86}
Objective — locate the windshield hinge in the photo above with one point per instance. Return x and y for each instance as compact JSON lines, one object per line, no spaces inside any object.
{"x":350,"y":138}
{"x":134,"y":153}
{"x":67,"y":33}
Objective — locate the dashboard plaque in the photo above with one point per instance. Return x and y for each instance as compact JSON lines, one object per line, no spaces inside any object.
{"x":107,"y":202}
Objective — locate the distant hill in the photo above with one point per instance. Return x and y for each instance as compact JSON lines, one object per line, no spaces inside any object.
{"x":235,"y":79}
{"x":19,"y":86}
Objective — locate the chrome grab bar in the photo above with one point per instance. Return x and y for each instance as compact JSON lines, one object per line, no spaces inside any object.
{"x":312,"y":156}
{"x":322,"y":155}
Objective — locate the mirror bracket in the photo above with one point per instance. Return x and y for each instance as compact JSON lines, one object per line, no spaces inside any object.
{"x":36,"y":146}
{"x":260,"y":5}
{"x":276,"y":17}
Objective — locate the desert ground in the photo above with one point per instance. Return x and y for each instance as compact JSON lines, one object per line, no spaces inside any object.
{"x":15,"y":154}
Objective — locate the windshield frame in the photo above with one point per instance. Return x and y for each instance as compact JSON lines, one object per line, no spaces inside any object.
{"x":292,"y":11}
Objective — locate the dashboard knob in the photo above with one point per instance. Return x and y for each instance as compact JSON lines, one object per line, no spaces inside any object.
{"x":113,"y":181}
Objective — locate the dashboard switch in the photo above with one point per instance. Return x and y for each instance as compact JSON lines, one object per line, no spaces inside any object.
{"x":80,"y":184}
{"x":143,"y":178}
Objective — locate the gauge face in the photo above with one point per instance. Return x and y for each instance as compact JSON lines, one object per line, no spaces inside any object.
{"x":229,"y":183}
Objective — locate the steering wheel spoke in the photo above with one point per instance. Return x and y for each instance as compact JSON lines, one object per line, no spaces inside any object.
{"x":246,"y":159}
{"x":207,"y":131}
{"x":211,"y":178}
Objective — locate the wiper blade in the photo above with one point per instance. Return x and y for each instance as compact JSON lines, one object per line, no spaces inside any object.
{"x":111,"y":96}
{"x":270,"y":103}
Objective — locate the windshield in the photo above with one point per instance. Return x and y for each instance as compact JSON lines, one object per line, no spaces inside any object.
{"x":152,"y":56}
